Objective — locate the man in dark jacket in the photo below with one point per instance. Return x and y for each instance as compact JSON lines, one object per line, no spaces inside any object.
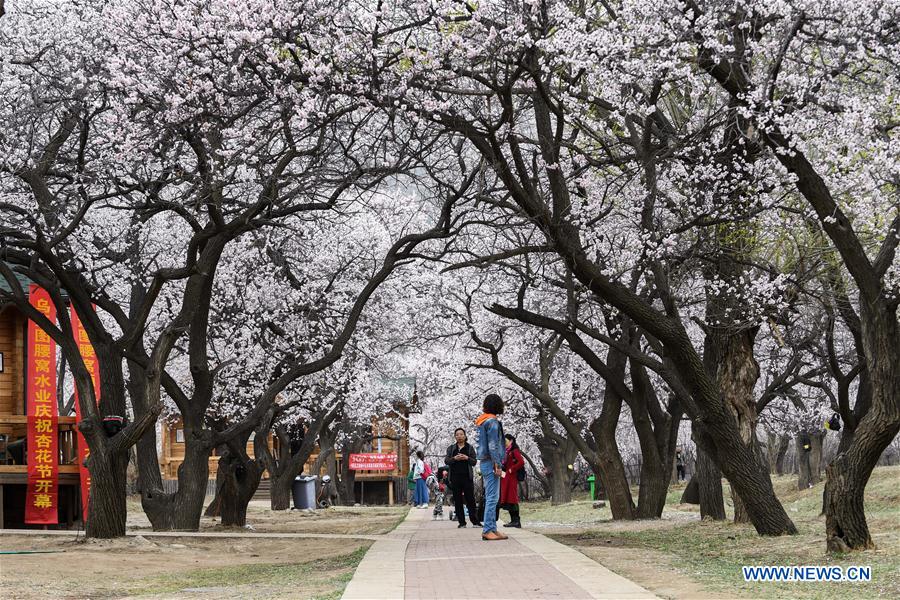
{"x":461,"y":458}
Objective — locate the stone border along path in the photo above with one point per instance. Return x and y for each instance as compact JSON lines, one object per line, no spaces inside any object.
{"x":195,"y":534}
{"x":427,"y":559}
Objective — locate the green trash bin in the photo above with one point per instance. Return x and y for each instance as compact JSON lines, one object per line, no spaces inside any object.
{"x":591,"y":481}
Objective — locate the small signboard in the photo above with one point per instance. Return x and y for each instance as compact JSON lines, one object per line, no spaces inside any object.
{"x":373,"y":462}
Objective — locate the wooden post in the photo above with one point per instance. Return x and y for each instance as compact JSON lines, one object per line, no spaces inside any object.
{"x":390,"y":485}
{"x":71,"y":499}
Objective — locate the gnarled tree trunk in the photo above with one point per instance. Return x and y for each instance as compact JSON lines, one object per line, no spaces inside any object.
{"x":737,"y":374}
{"x":181,"y":510}
{"x":846,"y":477}
{"x":816,"y":439}
{"x":709,"y":485}
{"x":107,"y":510}
{"x":237,"y":479}
{"x":656,"y":436}
{"x":558,"y":453}
{"x":607,"y":460}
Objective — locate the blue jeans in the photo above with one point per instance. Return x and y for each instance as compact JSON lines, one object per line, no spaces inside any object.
{"x":491,"y":496}
{"x":421,"y":495}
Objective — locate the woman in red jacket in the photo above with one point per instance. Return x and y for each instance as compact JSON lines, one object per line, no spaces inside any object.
{"x":509,"y":485}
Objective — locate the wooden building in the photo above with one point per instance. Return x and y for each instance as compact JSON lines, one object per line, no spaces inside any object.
{"x":378,"y":487}
{"x":13,"y":422}
{"x":371,"y":487}
{"x":171,"y":436}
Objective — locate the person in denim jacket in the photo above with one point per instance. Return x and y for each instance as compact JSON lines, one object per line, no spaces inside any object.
{"x":491,"y":453}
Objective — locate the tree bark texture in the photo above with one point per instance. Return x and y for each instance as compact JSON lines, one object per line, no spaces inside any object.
{"x":691,"y":494}
{"x":107,"y":510}
{"x":709,"y":484}
{"x":777,"y":447}
{"x":607,"y":460}
{"x":181,"y":510}
{"x":816,"y":439}
{"x":737,"y":374}
{"x":556,"y":459}
{"x":846,"y":477}
{"x":656,"y":436}
{"x":239,"y":481}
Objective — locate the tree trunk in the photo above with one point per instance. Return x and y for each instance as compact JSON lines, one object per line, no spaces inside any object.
{"x":608,"y":466}
{"x":181,"y":510}
{"x":846,"y":477}
{"x":280,"y":490}
{"x":213,"y":509}
{"x":557,"y":460}
{"x":653,"y":489}
{"x":607,"y":460}
{"x":691,"y":493}
{"x":107,"y":509}
{"x":288,"y":465}
{"x":801,"y":447}
{"x":237,"y":479}
{"x":560,"y":488}
{"x":709,"y":483}
{"x":239,"y":482}
{"x":815,"y":457}
{"x":737,"y":374}
{"x":154,"y":500}
{"x":347,"y":489}
{"x":784,"y":443}
{"x":193,"y":479}
{"x":776,"y":448}
{"x":657,"y":432}
{"x":316,"y":469}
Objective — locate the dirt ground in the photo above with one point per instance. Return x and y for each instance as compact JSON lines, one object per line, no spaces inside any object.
{"x":665,"y":580}
{"x":177,"y":567}
{"x":192,"y":567}
{"x":353,"y":520}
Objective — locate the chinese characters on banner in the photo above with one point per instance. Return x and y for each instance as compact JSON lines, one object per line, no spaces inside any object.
{"x":90,"y":362}
{"x":373,"y":462}
{"x":41,"y":499}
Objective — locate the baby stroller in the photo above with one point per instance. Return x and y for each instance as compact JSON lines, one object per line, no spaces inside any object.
{"x":438,"y":491}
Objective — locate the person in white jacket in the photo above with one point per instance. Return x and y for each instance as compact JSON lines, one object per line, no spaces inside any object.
{"x":421,"y":492}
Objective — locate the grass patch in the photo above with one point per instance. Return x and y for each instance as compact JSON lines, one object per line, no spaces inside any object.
{"x":326,"y":578}
{"x":578,"y":512}
{"x":712,"y":553}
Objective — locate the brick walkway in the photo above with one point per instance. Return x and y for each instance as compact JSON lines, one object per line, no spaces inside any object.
{"x":443,"y":562}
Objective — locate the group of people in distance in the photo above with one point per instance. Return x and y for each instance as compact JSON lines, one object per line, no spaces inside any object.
{"x":500,"y":465}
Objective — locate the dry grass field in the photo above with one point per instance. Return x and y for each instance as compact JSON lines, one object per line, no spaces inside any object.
{"x":680,"y":556}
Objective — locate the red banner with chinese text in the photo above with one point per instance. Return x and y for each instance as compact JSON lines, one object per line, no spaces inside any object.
{"x":90,"y":362}
{"x":373,"y":461}
{"x":42,"y":495}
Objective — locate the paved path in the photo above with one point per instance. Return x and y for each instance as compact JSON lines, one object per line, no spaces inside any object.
{"x":425,"y":559}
